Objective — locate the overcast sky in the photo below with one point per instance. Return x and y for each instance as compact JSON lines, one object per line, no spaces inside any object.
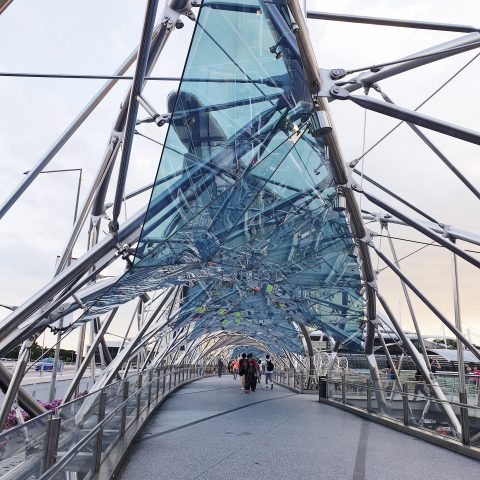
{"x":94,"y":36}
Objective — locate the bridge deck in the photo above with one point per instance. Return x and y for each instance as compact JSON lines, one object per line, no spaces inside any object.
{"x":211,"y":430}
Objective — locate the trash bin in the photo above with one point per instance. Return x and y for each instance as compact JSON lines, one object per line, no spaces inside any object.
{"x":322,"y":388}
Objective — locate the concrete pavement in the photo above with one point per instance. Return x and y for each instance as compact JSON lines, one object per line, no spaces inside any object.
{"x":211,"y":430}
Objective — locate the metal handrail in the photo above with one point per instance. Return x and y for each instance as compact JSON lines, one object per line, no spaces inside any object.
{"x":74,"y":450}
{"x":178,"y":377}
{"x":403,"y":394}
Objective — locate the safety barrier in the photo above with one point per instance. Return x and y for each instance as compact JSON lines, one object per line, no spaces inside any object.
{"x":407,"y":406}
{"x":89,"y":436}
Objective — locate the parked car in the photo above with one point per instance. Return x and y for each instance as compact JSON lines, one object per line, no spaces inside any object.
{"x":46,"y":365}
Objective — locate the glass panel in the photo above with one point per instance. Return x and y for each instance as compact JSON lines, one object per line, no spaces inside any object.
{"x":77,"y":419}
{"x":244,"y":208}
{"x":24,"y":445}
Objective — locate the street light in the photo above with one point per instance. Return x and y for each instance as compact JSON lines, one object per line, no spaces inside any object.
{"x":78,"y":188}
{"x":53,"y":384}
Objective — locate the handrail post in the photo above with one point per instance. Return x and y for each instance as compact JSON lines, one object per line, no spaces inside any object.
{"x":123,"y":421}
{"x":464,"y":420}
{"x":164,"y":381}
{"x":159,"y":372}
{"x":51,"y":443}
{"x":150,"y":378}
{"x":139,"y":393}
{"x":170,"y":380}
{"x":343,"y":388}
{"x":405,"y":403}
{"x":98,"y":443}
{"x":369,"y":395}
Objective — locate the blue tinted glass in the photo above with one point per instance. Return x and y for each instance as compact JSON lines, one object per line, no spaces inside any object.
{"x":243,"y":206}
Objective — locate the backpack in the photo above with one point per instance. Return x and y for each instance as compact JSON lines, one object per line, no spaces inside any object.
{"x":269,"y":366}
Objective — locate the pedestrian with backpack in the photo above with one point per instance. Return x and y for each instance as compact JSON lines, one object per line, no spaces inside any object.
{"x":269,"y":367}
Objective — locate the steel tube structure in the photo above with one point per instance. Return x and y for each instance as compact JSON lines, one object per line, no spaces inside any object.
{"x":458,"y":325}
{"x":427,"y":302}
{"x":391,"y":22}
{"x":409,"y":303}
{"x":436,"y":227}
{"x":437,"y":52}
{"x":422,"y":229}
{"x":11,"y":393}
{"x":165,"y":247}
{"x":340,"y":175}
{"x":394,"y":195}
{"x":409,"y":116}
{"x":88,"y":357}
{"x":4,"y":4}
{"x":137,"y":87}
{"x":106,"y":248}
{"x":437,"y":151}
{"x":422,"y":366}
{"x":111,"y":371}
{"x":66,"y":135}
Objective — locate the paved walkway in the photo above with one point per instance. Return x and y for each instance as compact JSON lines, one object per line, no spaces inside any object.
{"x":211,"y":430}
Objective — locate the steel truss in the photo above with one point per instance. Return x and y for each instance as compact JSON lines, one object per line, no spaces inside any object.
{"x":157,"y":342}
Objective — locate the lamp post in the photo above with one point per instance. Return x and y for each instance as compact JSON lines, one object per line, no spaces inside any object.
{"x":53,"y":383}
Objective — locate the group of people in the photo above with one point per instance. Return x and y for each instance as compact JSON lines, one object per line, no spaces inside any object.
{"x":251,"y":370}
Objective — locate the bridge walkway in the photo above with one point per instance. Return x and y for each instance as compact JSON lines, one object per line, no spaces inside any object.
{"x":211,"y":430}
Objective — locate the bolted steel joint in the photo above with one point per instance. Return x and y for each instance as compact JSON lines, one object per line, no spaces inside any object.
{"x":337,"y":73}
{"x":339,"y":93}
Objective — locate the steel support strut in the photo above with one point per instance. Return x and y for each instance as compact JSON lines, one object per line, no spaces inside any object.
{"x":391,"y":22}
{"x":423,"y":229}
{"x":137,"y":88}
{"x":435,"y":149}
{"x":88,"y":357}
{"x":433,"y":54}
{"x":422,"y":366}
{"x":22,"y":361}
{"x":66,"y":135}
{"x":427,"y":302}
{"x":340,"y":176}
{"x":409,"y":303}
{"x":409,"y":116}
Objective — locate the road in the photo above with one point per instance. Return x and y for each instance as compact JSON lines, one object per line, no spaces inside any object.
{"x":38,"y":383}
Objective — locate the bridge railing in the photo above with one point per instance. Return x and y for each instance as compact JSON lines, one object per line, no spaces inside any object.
{"x":89,"y":436}
{"x":408,"y":404}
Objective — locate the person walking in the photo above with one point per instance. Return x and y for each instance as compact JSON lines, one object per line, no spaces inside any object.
{"x":219,"y":367}
{"x":269,"y":367}
{"x":259,"y":375}
{"x":251,"y":369}
{"x":235,"y":368}
{"x":241,"y":369}
{"x":419,"y":386}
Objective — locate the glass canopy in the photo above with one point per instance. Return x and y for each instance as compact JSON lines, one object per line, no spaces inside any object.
{"x":243,"y":210}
